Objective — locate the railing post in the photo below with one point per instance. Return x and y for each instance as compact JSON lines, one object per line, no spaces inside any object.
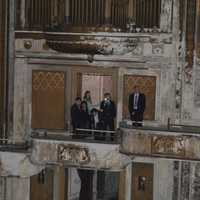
{"x":168,"y":124}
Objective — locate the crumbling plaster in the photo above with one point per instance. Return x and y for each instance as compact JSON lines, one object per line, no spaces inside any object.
{"x":17,"y":164}
{"x":99,"y":156}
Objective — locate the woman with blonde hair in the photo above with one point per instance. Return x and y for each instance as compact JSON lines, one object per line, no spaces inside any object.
{"x":87,"y":98}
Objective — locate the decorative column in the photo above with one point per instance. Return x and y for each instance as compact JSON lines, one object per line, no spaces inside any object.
{"x":198,"y":30}
{"x":2,"y":61}
{"x":132,"y":10}
{"x":108,"y":12}
{"x":10,"y":64}
{"x":17,"y":188}
{"x":166,"y":16}
{"x":67,"y":16}
{"x":189,"y":72}
{"x":190,"y":40}
{"x":55,"y":7}
{"x":197,"y":50}
{"x":22,"y":14}
{"x":128,"y":182}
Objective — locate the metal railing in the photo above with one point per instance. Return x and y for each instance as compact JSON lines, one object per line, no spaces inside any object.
{"x":169,"y":127}
{"x":92,"y":135}
{"x":103,"y":135}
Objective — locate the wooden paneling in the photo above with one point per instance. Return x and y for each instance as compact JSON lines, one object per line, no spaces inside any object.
{"x":63,"y":183}
{"x":48,"y":99}
{"x":147,"y":85}
{"x":142,"y":181}
{"x":41,"y":186}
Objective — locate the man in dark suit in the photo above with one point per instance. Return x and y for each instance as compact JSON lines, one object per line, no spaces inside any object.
{"x":137,"y":106}
{"x":76,"y":114}
{"x":108,"y":109}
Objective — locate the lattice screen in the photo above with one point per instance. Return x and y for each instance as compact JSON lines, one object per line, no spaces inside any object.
{"x":48,"y":99}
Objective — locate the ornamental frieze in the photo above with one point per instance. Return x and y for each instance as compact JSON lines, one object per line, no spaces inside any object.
{"x":168,"y":145}
{"x":73,"y":154}
{"x":174,"y":142}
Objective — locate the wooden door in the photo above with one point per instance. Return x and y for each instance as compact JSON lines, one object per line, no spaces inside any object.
{"x":142,"y":181}
{"x":77,"y":78}
{"x":147,"y":85}
{"x":48,"y":99}
{"x":41,"y":187}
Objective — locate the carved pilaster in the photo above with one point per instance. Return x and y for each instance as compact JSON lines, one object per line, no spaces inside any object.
{"x":185,"y":181}
{"x":176,"y":180}
{"x":2,"y":60}
{"x":190,"y":40}
{"x":195,"y":189}
{"x":108,"y":12}
{"x":198,"y":30}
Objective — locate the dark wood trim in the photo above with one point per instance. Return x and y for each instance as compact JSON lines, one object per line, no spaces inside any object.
{"x":29,"y":34}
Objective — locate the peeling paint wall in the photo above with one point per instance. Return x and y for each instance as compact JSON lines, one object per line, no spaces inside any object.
{"x":17,"y":164}
{"x":17,"y":188}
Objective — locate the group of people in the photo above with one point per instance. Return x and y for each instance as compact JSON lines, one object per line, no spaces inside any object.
{"x":85,"y":115}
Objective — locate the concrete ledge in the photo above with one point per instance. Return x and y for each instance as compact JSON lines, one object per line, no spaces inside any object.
{"x":160,"y":144}
{"x":78,"y":154}
{"x":17,"y":164}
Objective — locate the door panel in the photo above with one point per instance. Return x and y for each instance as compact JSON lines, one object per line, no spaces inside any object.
{"x":48,"y":99}
{"x":41,"y":187}
{"x":142,"y":181}
{"x":147,"y":85}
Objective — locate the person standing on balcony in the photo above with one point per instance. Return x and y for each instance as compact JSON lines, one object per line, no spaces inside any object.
{"x":96,"y":123}
{"x":76,"y":114}
{"x":87,"y":98}
{"x":137,"y":105}
{"x":85,"y":117}
{"x":108,"y":109}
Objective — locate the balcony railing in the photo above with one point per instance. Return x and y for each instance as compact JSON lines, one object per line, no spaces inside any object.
{"x":87,"y":135}
{"x":174,"y":128}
